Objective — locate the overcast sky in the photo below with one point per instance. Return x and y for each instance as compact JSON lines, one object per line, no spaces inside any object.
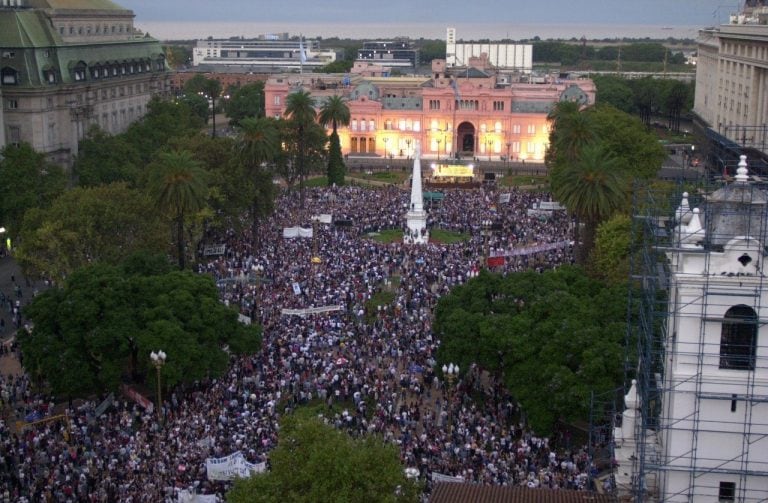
{"x":652,"y":12}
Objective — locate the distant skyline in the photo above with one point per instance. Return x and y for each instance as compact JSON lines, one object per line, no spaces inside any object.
{"x":623,"y":12}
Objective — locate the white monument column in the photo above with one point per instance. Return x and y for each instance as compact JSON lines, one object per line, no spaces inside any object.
{"x":416,"y":231}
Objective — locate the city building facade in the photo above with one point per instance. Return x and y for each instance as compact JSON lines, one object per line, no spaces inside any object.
{"x":465,"y":112}
{"x":517,"y":57}
{"x":262,"y":54}
{"x":399,"y":53}
{"x":731,"y":101}
{"x":66,"y":65}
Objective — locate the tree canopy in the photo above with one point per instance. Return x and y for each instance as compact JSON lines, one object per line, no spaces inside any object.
{"x":103,"y":158}
{"x":28,"y":181}
{"x":245,"y":101}
{"x":86,"y":225}
{"x":97,"y":330}
{"x":316,"y":462}
{"x":335,"y":112}
{"x":554,"y":337}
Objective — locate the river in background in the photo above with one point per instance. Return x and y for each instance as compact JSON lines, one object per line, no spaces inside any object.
{"x":165,"y":30}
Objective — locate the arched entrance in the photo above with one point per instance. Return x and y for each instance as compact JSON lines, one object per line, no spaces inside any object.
{"x":465,"y":139}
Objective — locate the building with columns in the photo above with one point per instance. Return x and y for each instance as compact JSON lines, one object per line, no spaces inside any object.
{"x":66,"y":65}
{"x":731,"y":101}
{"x":474,"y":111}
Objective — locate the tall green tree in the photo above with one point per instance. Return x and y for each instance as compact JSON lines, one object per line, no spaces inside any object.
{"x":638,"y":150}
{"x":315,"y":462}
{"x":245,"y":101}
{"x":570,"y":130}
{"x":27,"y":181}
{"x":209,"y":88}
{"x":614,"y":91}
{"x":86,"y":225}
{"x":335,"y":112}
{"x":300,"y":110}
{"x":103,"y":158}
{"x":591,"y":188}
{"x":258,"y":147}
{"x":558,"y":335}
{"x":97,"y":330}
{"x":163,"y":121}
{"x":178,"y":187}
{"x":610,"y":257}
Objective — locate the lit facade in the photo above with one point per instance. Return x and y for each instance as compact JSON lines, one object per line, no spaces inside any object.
{"x":472,"y":112}
{"x":69,"y":64}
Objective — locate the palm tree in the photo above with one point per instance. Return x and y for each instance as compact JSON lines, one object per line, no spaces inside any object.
{"x":177,"y":184}
{"x":300,"y":109}
{"x":258,"y":145}
{"x":592,"y":188}
{"x":335,"y":112}
{"x":572,"y":128}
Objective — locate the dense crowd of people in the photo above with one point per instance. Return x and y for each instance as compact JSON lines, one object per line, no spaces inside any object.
{"x":373,"y":368}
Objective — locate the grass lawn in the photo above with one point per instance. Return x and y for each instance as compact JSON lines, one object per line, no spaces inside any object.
{"x":387,"y":236}
{"x":317,"y":181}
{"x":392,"y":176}
{"x":447,"y":237}
{"x":524,"y":181}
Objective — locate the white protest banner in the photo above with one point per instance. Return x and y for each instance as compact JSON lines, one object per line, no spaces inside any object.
{"x":231,"y":467}
{"x":323,"y":218}
{"x":296,"y":288}
{"x":504,"y":198}
{"x":245,"y":320}
{"x":310,"y":310}
{"x":296,"y":232}
{"x":187,"y":497}
{"x":214,"y":250}
{"x":530,"y":250}
{"x":439,"y":477}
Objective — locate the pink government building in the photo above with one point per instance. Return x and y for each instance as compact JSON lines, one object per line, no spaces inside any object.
{"x":497,"y":115}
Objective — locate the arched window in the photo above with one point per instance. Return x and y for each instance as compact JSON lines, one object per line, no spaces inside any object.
{"x":738,"y":338}
{"x":9,"y":76}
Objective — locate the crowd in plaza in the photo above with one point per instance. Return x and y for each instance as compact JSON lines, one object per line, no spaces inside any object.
{"x":373,"y":369}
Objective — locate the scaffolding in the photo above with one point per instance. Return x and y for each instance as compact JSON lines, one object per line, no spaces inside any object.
{"x":698,"y":324}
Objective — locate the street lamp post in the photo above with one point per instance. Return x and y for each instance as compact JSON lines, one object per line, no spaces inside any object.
{"x":451,"y":372}
{"x":486,"y":233}
{"x":438,"y":148}
{"x":488,"y":144}
{"x":158,"y":360}
{"x":408,"y":142}
{"x":509,"y":146}
{"x":386,"y":140}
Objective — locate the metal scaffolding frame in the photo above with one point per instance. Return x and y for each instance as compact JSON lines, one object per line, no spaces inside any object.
{"x":654,"y":316}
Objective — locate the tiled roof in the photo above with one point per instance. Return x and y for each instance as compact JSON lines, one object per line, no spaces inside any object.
{"x":449,"y":492}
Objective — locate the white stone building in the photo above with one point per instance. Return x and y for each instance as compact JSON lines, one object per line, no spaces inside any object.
{"x":261,"y":54}
{"x":66,"y":65}
{"x":732,"y":79}
{"x":700,"y":431}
